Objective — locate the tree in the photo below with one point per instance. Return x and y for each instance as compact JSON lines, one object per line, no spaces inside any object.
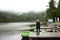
{"x":59,"y":5}
{"x":51,"y":4}
{"x":50,"y":11}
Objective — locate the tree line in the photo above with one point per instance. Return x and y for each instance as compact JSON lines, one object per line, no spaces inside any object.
{"x":23,"y":17}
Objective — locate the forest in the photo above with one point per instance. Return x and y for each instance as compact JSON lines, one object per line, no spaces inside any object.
{"x":6,"y":16}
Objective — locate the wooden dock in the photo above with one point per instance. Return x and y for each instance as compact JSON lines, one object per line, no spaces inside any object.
{"x":44,"y":36}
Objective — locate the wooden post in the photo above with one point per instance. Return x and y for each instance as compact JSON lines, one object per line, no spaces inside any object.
{"x":30,"y":38}
{"x":55,"y":19}
{"x":53,"y":30}
{"x":58,"y":19}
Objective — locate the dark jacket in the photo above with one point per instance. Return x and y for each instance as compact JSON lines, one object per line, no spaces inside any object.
{"x":37,"y":24}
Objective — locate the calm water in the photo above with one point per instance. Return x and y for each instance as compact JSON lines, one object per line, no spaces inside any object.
{"x":9,"y":31}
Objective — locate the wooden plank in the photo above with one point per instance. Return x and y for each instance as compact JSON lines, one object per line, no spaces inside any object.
{"x":44,"y":34}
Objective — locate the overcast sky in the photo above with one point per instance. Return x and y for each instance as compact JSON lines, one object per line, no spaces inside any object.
{"x":23,"y":5}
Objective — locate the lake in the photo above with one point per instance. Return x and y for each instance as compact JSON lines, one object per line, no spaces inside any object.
{"x":9,"y":31}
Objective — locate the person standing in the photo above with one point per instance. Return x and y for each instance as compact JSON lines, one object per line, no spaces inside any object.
{"x":38,"y":26}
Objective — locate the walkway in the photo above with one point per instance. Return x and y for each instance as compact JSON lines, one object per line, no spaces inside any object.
{"x":44,"y":36}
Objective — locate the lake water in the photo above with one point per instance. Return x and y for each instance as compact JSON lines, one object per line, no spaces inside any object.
{"x":9,"y":31}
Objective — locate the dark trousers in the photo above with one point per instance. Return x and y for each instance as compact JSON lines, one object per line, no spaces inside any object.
{"x":38,"y":31}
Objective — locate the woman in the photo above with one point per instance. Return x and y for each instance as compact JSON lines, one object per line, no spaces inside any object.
{"x":38,"y":26}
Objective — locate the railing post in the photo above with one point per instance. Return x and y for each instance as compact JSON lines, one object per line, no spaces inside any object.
{"x":53,"y":29}
{"x":30,"y":38}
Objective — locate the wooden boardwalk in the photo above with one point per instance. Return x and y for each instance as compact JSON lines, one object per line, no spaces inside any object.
{"x":44,"y":35}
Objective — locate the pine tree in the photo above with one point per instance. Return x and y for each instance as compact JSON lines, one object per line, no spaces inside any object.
{"x":50,"y":11}
{"x":51,"y":8}
{"x":59,"y":5}
{"x":51,"y":4}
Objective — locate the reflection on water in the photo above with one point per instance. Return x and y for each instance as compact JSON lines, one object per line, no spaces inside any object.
{"x":10,"y":35}
{"x":14,"y":26}
{"x":8,"y":31}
